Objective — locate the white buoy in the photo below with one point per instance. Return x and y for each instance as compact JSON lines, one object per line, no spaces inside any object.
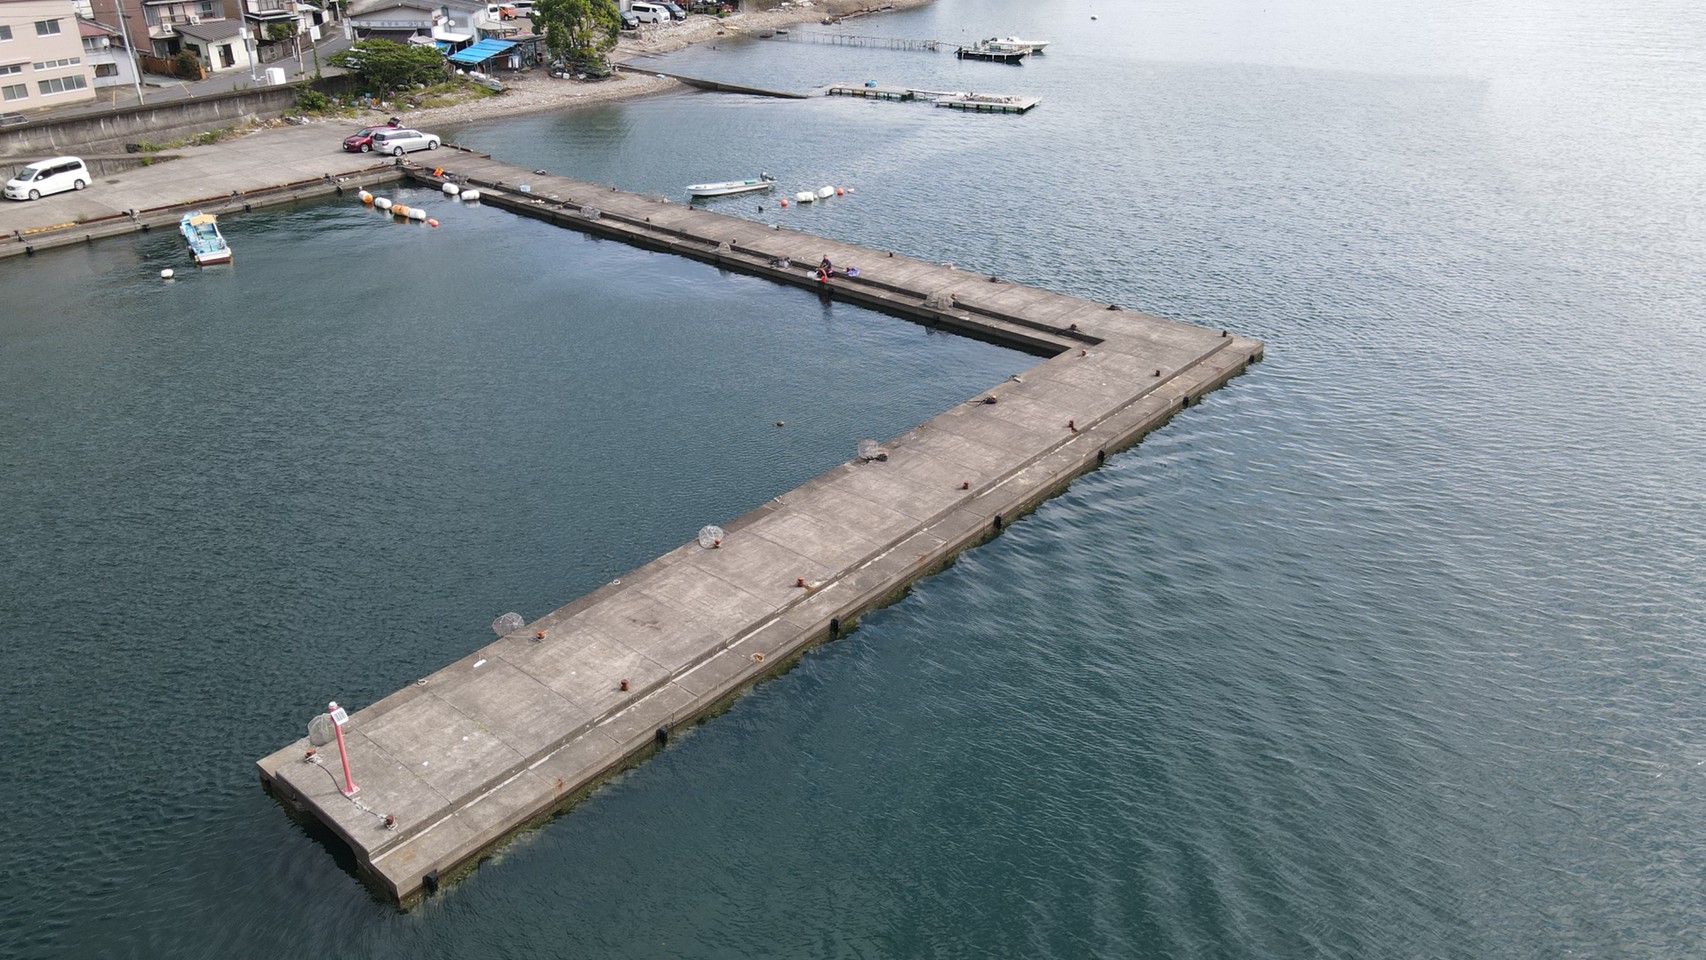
{"x":365,"y":196}
{"x":849,"y":191}
{"x":452,"y":189}
{"x":382,"y":203}
{"x":804,"y":196}
{"x":167,"y":274}
{"x":470,"y":195}
{"x":824,"y":193}
{"x":416,"y":213}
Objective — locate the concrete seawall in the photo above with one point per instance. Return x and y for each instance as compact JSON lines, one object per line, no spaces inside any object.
{"x":522,"y":727}
{"x":28,"y":241}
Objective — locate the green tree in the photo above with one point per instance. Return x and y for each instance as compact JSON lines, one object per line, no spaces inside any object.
{"x":381,"y":65}
{"x":188,"y":67}
{"x":578,"y":31}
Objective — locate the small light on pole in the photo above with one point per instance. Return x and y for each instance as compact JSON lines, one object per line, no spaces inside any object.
{"x":339,"y":718}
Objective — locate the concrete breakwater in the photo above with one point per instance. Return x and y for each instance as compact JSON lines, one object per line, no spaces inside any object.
{"x":518,"y":729}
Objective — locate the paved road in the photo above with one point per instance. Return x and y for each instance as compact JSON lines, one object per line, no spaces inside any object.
{"x":262,"y":159}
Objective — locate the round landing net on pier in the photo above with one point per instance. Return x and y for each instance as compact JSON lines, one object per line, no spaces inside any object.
{"x":321,"y":730}
{"x":508,"y":623}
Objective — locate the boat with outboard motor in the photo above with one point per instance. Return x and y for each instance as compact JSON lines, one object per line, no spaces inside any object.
{"x":763,"y":181}
{"x":1014,"y":44}
{"x":207,"y":244}
{"x":990,"y":50}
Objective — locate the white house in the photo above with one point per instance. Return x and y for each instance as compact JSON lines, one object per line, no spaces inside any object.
{"x":221,"y":45}
{"x":451,"y":24}
{"x":104,"y":52}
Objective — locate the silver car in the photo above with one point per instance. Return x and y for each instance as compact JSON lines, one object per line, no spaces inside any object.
{"x":403,"y":140}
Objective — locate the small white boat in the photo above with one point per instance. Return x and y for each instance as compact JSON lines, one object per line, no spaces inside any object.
{"x":1014,"y":44}
{"x":201,"y":232}
{"x":763,"y":181}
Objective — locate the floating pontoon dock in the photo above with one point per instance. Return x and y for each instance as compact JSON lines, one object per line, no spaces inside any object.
{"x":979,"y":102}
{"x":524,"y":726}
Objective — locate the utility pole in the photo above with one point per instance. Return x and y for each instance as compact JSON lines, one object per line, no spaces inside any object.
{"x":135,"y":68}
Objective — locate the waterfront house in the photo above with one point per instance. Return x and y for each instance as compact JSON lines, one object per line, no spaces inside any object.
{"x":110,"y":64}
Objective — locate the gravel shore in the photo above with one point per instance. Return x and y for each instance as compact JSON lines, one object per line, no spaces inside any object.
{"x":536,"y":91}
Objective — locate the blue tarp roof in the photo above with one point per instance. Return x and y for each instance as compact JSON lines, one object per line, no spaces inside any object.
{"x":482,"y":51}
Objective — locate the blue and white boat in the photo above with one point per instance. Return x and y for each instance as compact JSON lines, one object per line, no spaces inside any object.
{"x":207,"y":245}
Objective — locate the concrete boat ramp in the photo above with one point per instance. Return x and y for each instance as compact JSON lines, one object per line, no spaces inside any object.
{"x":517,"y":730}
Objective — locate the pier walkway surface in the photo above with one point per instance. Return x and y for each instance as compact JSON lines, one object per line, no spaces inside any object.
{"x":520,"y":728}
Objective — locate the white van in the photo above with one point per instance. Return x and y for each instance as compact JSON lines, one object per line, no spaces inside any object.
{"x":48,"y":176}
{"x":648,"y":12}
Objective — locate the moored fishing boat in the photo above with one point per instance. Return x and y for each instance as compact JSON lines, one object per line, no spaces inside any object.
{"x":990,"y":50}
{"x":207,"y":244}
{"x":761,"y":182}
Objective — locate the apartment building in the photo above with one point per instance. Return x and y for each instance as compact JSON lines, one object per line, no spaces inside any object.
{"x":42,"y":62}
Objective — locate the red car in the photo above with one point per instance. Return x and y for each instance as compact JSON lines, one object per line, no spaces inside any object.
{"x":362,"y":140}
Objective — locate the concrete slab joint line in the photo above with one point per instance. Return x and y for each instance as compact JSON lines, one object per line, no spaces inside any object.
{"x":473,"y":754}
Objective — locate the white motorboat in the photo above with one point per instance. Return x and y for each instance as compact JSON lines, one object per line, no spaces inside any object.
{"x":761,"y":182}
{"x":1015,"y":45}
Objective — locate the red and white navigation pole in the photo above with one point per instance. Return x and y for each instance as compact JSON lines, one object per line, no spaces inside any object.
{"x":339,"y":718}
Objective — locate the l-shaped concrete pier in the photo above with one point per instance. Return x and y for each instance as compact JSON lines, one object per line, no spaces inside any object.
{"x":522,"y":727}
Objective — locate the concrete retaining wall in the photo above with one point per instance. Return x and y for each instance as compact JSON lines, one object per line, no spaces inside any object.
{"x":109,"y":130}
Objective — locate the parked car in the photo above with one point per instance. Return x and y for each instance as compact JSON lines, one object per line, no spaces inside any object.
{"x":648,"y":12}
{"x":629,"y":22}
{"x":675,"y":11}
{"x":362,"y":140}
{"x":402,"y":140}
{"x":54,"y":175}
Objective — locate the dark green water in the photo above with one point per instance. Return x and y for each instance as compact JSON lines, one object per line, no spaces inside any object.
{"x":1391,"y":649}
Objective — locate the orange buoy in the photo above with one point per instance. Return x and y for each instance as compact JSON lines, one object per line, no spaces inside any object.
{"x":840,"y":193}
{"x":784,"y":203}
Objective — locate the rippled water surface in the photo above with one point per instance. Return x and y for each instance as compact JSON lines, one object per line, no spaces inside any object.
{"x":1391,"y":648}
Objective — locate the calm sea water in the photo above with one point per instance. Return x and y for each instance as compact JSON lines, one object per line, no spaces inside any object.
{"x":1393,"y":648}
